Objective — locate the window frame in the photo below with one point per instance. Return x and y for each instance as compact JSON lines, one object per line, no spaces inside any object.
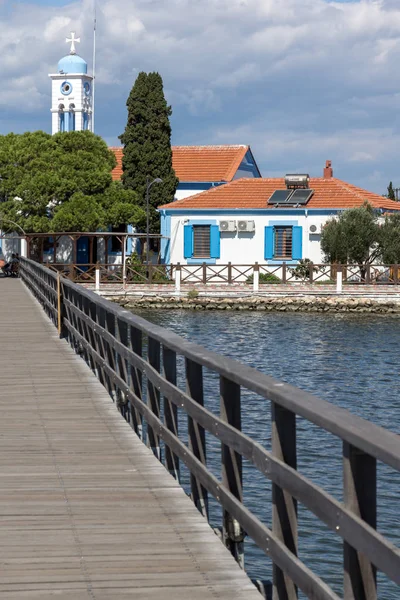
{"x":297,"y":241}
{"x":215,"y":241}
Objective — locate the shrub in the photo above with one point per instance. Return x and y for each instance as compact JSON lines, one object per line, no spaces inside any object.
{"x":302,"y":270}
{"x":265,"y":278}
{"x":137,"y":271}
{"x":192,"y":294}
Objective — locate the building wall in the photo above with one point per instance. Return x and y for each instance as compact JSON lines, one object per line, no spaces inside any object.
{"x":245,"y":248}
{"x":191,"y":188}
{"x":10,"y":244}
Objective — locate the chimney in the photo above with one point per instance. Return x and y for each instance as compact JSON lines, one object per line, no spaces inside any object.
{"x":328,"y":171}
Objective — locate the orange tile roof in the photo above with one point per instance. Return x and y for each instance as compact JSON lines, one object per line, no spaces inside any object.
{"x":198,"y":163}
{"x":254,"y":194}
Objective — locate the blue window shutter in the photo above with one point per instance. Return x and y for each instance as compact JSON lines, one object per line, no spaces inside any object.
{"x":297,"y":243}
{"x":269,"y":243}
{"x":215,"y":242}
{"x":188,"y":241}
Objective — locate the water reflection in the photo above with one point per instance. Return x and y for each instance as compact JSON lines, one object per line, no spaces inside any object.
{"x":349,"y":360}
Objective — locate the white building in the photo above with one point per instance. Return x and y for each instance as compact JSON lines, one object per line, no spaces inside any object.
{"x":72,"y":93}
{"x":246,"y":221}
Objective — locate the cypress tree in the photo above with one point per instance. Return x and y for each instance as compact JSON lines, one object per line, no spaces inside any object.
{"x":391,"y":194}
{"x":147,"y":145}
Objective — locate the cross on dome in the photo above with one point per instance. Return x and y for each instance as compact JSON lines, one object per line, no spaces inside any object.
{"x":73,"y":40}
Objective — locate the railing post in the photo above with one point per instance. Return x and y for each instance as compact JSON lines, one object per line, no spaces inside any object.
{"x":97,"y":280}
{"x":311,"y":272}
{"x":123,"y":369}
{"x":229,"y":272}
{"x":197,"y":438}
{"x":284,"y":511}
{"x":170,"y":411}
{"x":395,"y":274}
{"x":24,"y":248}
{"x":60,"y":307}
{"x":178,"y":277}
{"x":359,"y":482}
{"x":136,"y":345}
{"x":150,"y":272}
{"x":204,"y":273}
{"x":256,"y":277}
{"x":368,"y":274}
{"x":339,"y":281}
{"x":232,"y":533}
{"x":153,"y":396}
{"x":284,"y":273}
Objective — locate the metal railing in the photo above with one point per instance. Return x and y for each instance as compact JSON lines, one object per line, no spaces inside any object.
{"x":203,"y":273}
{"x":139,"y":362}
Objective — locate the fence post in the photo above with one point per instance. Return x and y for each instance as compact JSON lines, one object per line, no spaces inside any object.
{"x":229,"y":272}
{"x":311,"y":272}
{"x":204,"y":273}
{"x":284,"y":509}
{"x":232,"y":533}
{"x":178,"y":274}
{"x":359,"y":483}
{"x":97,"y":279}
{"x":256,"y":277}
{"x":396,"y":274}
{"x":284,"y":273}
{"x":339,"y":281}
{"x":368,"y":274}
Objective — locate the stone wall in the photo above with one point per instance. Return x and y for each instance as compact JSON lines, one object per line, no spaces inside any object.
{"x":327,"y":304}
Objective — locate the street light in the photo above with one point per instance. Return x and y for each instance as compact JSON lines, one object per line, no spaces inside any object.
{"x":12,"y":223}
{"x":148,"y":186}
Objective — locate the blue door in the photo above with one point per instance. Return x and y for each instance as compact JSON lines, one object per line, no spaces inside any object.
{"x":82,"y":252}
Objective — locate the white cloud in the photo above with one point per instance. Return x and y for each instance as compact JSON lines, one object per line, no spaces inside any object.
{"x":301,"y":73}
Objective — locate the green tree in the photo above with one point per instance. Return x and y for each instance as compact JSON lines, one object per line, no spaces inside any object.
{"x":391,"y":195}
{"x":61,"y":183}
{"x":389,"y":238}
{"x":147,"y":145}
{"x":353,"y":238}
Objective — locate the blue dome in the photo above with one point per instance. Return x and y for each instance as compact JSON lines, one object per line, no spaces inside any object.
{"x":73,"y":64}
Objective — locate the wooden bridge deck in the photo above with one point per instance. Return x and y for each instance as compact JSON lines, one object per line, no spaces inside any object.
{"x":86,"y":511}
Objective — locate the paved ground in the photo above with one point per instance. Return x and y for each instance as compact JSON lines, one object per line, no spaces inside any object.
{"x":86,"y":511}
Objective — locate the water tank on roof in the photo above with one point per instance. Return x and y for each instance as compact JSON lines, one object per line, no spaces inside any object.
{"x":293,"y":181}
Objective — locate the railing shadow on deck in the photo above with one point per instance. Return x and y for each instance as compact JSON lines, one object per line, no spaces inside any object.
{"x":112,"y":340}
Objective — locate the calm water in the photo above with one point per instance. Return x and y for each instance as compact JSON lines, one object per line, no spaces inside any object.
{"x":351,"y":361}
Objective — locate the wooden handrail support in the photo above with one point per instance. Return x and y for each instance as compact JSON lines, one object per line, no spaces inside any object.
{"x":112,"y":340}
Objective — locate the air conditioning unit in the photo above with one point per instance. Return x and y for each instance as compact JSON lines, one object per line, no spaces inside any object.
{"x":314,"y":229}
{"x":227,"y":225}
{"x":246,"y":226}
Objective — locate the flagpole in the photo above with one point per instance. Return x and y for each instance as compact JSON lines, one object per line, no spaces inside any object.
{"x":94,"y":64}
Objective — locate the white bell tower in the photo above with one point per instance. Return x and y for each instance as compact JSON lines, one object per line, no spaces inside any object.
{"x":72,"y":93}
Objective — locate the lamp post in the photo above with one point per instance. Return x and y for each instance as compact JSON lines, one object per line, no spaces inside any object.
{"x":12,"y":223}
{"x":148,"y":186}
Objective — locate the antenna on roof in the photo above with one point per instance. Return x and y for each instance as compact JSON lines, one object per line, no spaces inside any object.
{"x":94,"y":63}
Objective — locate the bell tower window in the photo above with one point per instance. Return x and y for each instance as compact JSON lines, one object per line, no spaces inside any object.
{"x":72,"y":117}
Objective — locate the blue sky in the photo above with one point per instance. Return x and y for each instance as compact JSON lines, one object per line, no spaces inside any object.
{"x":300,"y":81}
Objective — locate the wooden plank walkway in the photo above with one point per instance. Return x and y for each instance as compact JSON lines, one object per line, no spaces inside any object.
{"x":86,"y":511}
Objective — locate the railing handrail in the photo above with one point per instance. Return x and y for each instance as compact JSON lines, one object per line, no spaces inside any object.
{"x":356,"y":432}
{"x":369,"y":437}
